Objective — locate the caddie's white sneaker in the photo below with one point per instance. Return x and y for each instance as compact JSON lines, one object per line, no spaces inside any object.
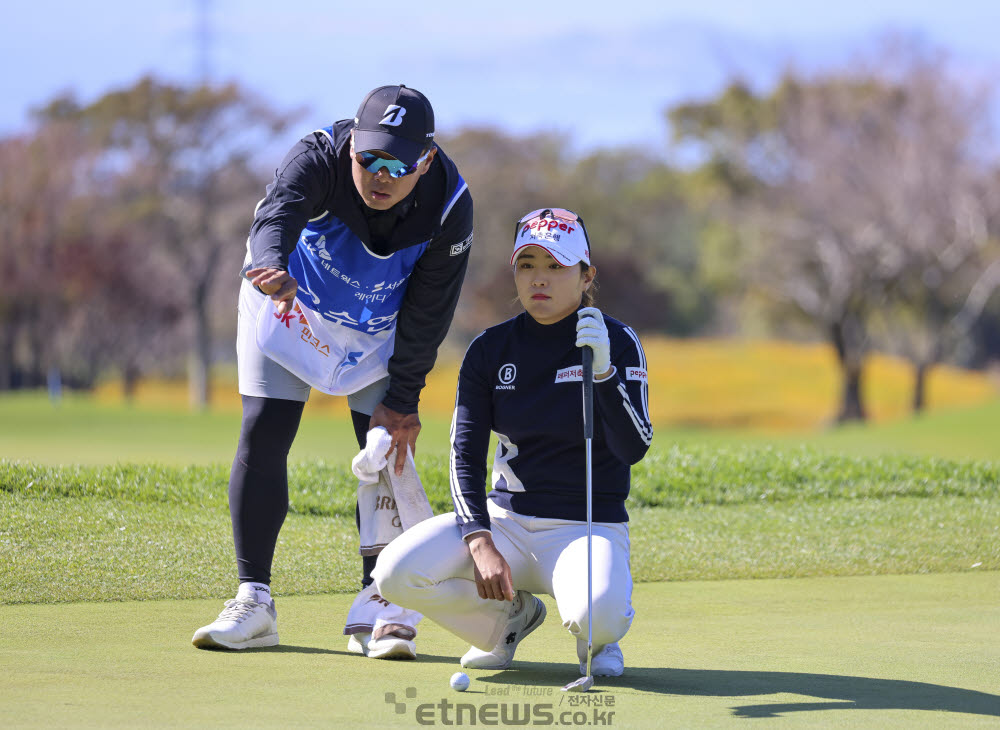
{"x":388,"y":647}
{"x":243,"y":624}
{"x":521,"y":624}
{"x":607,"y":662}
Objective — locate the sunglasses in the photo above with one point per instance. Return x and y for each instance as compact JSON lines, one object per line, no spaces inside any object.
{"x":557,"y":213}
{"x":396,"y":168}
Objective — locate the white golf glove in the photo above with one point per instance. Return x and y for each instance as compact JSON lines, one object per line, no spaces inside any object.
{"x":593,"y":333}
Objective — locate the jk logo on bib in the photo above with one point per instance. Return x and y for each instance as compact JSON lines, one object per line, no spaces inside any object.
{"x":330,"y":357}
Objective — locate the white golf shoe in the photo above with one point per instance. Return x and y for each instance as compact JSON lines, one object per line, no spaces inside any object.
{"x":607,"y":662}
{"x":529,"y":618}
{"x":243,"y":624}
{"x":388,"y":647}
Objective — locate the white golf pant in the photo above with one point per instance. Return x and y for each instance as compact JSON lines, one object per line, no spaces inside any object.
{"x":429,"y":569}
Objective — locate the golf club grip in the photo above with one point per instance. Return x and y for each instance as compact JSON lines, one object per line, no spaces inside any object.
{"x":588,"y":393}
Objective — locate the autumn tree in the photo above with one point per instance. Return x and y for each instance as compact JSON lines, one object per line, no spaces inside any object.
{"x":82,"y":294}
{"x":508,"y":176}
{"x":183,"y":161}
{"x":44,"y":243}
{"x":642,"y":235}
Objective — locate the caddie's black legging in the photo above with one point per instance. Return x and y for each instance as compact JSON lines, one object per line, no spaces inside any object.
{"x":258,"y":482}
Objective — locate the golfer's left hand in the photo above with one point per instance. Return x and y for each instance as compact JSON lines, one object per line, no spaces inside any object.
{"x":403,"y":428}
{"x":593,"y":333}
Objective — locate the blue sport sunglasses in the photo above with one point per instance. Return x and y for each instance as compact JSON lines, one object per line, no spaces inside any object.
{"x":396,"y":168}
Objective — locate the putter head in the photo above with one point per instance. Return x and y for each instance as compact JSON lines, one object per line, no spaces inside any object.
{"x":583,"y":684}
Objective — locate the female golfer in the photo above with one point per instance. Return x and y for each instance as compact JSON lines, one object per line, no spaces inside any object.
{"x":475,"y":571}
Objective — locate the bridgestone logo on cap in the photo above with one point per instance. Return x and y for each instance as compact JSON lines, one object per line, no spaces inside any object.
{"x":393,"y":115}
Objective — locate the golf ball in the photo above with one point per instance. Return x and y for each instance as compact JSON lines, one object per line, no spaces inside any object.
{"x":459,"y":681}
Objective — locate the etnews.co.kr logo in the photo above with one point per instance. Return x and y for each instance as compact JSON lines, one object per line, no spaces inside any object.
{"x":571,"y":710}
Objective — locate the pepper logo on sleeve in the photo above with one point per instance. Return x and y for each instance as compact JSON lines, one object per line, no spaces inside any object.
{"x":636,"y":374}
{"x":506,"y":374}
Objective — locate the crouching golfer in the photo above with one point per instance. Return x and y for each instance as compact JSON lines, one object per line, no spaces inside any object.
{"x":475,"y":571}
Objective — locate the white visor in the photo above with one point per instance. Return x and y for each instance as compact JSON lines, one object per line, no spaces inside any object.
{"x":565,"y":240}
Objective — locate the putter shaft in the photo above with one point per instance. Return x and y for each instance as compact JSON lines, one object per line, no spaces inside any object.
{"x":583,"y":684}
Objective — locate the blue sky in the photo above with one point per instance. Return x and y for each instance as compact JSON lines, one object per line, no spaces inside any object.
{"x":600,"y":74}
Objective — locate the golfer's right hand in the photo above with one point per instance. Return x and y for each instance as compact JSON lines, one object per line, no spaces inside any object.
{"x":277,"y":284}
{"x":493,"y":580}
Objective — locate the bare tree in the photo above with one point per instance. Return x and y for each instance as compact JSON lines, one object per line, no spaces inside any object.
{"x":780,"y":162}
{"x":850,"y":192}
{"x":938,"y":207}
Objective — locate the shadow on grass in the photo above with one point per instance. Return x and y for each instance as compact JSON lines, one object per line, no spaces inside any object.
{"x":288,"y":649}
{"x":847,"y":693}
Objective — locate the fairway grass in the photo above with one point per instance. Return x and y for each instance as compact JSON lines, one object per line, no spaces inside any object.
{"x":862,"y":652}
{"x":143,"y":532}
{"x":103,"y":550}
{"x":83,"y":430}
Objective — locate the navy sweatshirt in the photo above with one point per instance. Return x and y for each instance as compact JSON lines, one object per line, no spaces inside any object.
{"x":523,"y":381}
{"x":314,"y":188}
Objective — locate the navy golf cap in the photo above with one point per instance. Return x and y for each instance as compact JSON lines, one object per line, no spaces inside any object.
{"x":396,"y":120}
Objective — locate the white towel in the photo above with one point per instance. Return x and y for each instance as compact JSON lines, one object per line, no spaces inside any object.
{"x":387,"y":505}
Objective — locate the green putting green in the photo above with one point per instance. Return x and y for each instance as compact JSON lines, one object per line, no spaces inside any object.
{"x":885,"y":651}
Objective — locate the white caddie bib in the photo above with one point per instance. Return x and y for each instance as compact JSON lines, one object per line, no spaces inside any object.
{"x":332,"y":358}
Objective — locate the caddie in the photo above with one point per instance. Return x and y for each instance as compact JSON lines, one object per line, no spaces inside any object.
{"x":354,"y":266}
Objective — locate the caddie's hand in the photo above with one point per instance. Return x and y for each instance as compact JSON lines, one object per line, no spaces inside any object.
{"x":277,"y":284}
{"x":404,"y":430}
{"x":593,"y":333}
{"x":493,"y":580}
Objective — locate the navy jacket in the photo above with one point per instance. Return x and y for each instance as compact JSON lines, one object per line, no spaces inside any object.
{"x":523,"y":381}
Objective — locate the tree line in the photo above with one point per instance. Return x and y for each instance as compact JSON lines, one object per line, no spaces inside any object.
{"x":858,"y":205}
